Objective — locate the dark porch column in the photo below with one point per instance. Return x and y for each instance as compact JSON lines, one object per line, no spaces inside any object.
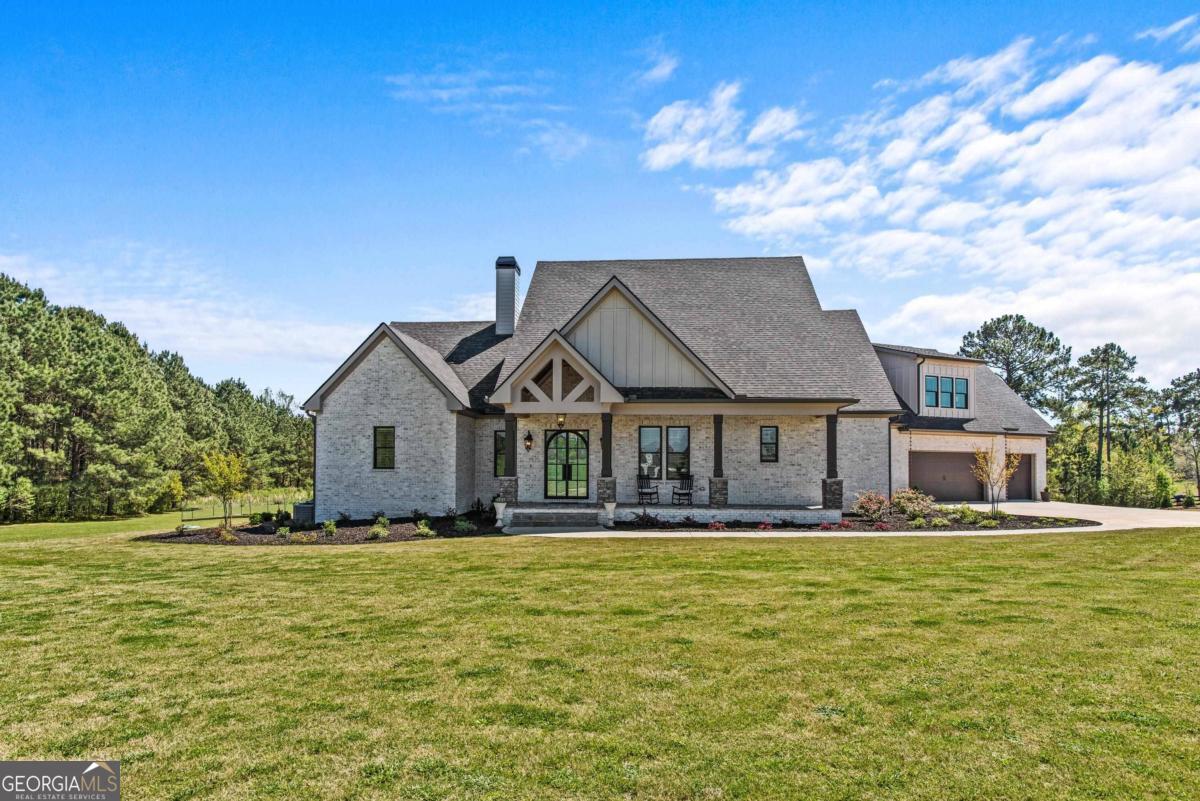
{"x":508,"y":482}
{"x":606,"y":485}
{"x":831,"y":485}
{"x":718,"y":485}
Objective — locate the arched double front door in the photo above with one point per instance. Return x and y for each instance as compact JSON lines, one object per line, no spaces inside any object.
{"x":566,"y":464}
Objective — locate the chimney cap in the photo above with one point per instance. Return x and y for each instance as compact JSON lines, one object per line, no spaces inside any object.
{"x":504,"y":262}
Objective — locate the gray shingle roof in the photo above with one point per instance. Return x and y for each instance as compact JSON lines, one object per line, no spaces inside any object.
{"x":471,"y":350}
{"x":998,"y":410}
{"x":754,"y":322}
{"x":925,"y":352}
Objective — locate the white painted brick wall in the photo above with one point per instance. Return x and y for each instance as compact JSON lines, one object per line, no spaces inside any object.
{"x":531,"y":472}
{"x":862,"y":456}
{"x":794,"y":479}
{"x":486,"y":484}
{"x":464,"y":462}
{"x":625,"y":454}
{"x":385,"y":389}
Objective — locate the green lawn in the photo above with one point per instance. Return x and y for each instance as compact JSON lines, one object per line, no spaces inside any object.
{"x":1057,"y":666}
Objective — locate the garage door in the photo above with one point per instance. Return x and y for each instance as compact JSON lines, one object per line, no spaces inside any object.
{"x":1020,"y":486}
{"x":945,"y":476}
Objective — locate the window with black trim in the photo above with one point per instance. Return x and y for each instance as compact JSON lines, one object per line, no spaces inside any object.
{"x":768,"y":443}
{"x":679,"y":452}
{"x":946,"y":392}
{"x":960,"y":393}
{"x":931,"y":391}
{"x":385,"y":448}
{"x":650,"y":451}
{"x":498,"y":452}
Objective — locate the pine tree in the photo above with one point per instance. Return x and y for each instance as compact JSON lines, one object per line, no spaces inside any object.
{"x":1030,"y":359}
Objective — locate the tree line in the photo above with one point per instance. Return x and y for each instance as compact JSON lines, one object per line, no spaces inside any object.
{"x":94,"y":423}
{"x":1118,"y":440}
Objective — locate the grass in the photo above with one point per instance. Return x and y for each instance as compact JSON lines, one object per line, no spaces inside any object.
{"x":1047,"y":666}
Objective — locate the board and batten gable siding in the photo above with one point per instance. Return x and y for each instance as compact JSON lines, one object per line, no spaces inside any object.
{"x":629,"y":350}
{"x":385,"y":389}
{"x":901,"y":370}
{"x":948,"y":369}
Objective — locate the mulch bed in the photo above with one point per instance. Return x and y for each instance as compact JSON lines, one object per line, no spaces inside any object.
{"x":892,"y":522}
{"x":353,"y":532}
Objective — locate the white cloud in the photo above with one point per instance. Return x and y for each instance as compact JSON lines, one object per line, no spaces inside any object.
{"x":1017,"y":181}
{"x":559,"y":141}
{"x":1168,"y":31}
{"x":660,"y":64}
{"x":713,"y":135}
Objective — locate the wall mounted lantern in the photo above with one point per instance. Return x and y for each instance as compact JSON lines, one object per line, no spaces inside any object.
{"x":528,"y":440}
{"x":562,"y":419}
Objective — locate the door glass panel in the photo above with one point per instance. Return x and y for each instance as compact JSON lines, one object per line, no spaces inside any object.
{"x":566,"y":464}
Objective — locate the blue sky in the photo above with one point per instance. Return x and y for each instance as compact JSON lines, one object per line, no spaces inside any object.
{"x":257,"y":188}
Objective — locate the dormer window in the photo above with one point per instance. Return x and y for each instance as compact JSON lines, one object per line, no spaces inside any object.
{"x":944,"y":392}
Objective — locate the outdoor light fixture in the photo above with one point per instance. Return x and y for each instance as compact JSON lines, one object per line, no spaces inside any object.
{"x":528,"y":440}
{"x":562,"y":420}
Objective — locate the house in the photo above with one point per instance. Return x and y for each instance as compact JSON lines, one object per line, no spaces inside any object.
{"x":619,"y":374}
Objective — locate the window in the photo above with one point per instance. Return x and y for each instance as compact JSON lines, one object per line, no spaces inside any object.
{"x":947,"y":395}
{"x":679,"y":452}
{"x":650,"y":451}
{"x":498,"y":453}
{"x":931,"y":391}
{"x":960,"y":393}
{"x":385,"y":448}
{"x":945,"y":392}
{"x":768,"y":444}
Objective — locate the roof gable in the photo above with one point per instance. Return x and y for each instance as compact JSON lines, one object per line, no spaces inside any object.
{"x":630,"y":345}
{"x":425,"y":358}
{"x":520,"y":392}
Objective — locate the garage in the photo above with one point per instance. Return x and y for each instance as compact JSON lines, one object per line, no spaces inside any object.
{"x":1020,"y":486}
{"x":946,"y":476}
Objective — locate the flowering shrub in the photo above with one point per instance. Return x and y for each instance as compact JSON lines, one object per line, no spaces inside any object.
{"x":845,"y":524}
{"x":765,"y":526}
{"x":882,"y":526}
{"x":871,"y":505}
{"x":913,"y":503}
{"x":716,"y":525}
{"x":826,"y":526}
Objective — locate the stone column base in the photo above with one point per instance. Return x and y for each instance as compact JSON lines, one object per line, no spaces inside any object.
{"x":508,"y":490}
{"x":831,"y":493}
{"x":718,"y":491}
{"x":606,"y":489}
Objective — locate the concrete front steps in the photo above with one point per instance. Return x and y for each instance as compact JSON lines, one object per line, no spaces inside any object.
{"x":543,"y":517}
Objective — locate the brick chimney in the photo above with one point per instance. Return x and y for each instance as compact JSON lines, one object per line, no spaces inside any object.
{"x":508,"y":275}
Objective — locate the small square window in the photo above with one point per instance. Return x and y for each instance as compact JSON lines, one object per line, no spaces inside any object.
{"x":385,"y":448}
{"x":768,"y":443}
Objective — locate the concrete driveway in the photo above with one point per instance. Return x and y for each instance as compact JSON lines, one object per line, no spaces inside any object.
{"x":1110,"y":518}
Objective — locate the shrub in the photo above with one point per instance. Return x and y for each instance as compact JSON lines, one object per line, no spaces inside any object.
{"x":647,"y":520}
{"x":717,"y":525}
{"x":689,"y":522}
{"x":766,"y":526}
{"x":463,"y":526}
{"x":827,"y":526}
{"x":871,"y":505}
{"x":423,"y":529}
{"x":417,"y":514}
{"x":989,"y":523}
{"x":382,"y":521}
{"x":477,"y":507}
{"x":845,"y":524}
{"x":881,"y":526}
{"x":377,"y":532}
{"x":1189,"y":501}
{"x":266,"y":517}
{"x":329,"y":527}
{"x":226,"y":535}
{"x":255,"y":518}
{"x":918,"y":522}
{"x":913,"y":503}
{"x":283,"y":531}
{"x":300,"y":538}
{"x":283,"y":516}
{"x":965,"y":514}
{"x":449,"y":511}
{"x":939,"y":522}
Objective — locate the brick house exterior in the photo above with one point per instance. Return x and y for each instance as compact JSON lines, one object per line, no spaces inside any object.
{"x":619,"y":376}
